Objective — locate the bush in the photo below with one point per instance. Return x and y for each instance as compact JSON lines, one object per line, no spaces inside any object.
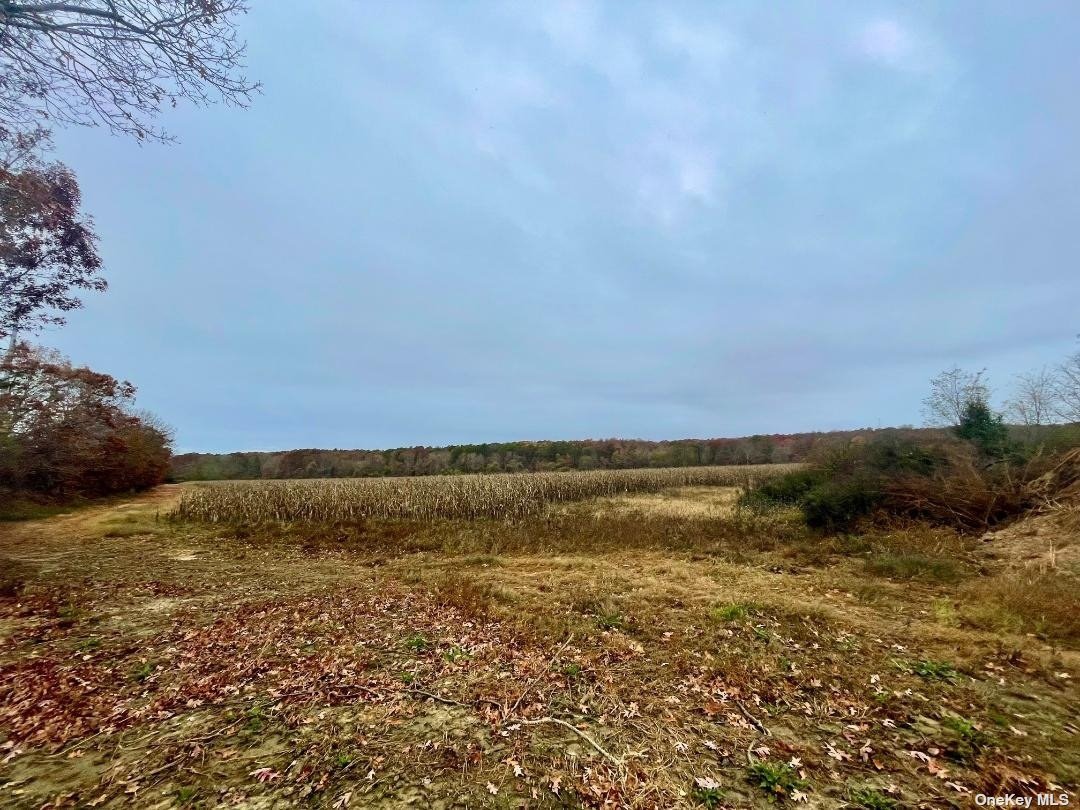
{"x":966,"y":485}
{"x":968,"y":495}
{"x":984,"y":428}
{"x":889,"y":457}
{"x":784,"y":490}
{"x":838,"y":504}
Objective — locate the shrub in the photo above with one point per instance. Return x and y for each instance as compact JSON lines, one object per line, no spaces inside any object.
{"x":889,"y":456}
{"x":967,"y":495}
{"x":784,"y":490}
{"x":968,"y":485}
{"x":836,"y":505}
{"x":984,"y":428}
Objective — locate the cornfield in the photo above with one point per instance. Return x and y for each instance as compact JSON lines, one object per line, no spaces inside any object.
{"x":502,"y":495}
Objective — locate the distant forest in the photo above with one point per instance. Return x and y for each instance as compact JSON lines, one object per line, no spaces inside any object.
{"x":589,"y":454}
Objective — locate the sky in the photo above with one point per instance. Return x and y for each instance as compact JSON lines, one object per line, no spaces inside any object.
{"x":465,"y":222}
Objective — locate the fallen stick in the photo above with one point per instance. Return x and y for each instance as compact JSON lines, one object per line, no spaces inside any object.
{"x":615,"y":760}
{"x":756,"y":723}
{"x":440,"y":698}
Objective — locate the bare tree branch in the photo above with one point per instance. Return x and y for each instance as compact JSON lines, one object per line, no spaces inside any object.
{"x":117,"y":62}
{"x":1034,"y":399}
{"x":951,"y":392}
{"x":1067,"y":389}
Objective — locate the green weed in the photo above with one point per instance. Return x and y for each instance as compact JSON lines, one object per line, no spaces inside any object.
{"x":935,"y":670}
{"x":778,"y":781}
{"x":871,"y":799}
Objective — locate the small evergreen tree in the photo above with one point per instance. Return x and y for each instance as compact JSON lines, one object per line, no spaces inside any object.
{"x":986,"y":429}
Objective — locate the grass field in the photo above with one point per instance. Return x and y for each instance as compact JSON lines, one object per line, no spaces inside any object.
{"x":658,"y":648}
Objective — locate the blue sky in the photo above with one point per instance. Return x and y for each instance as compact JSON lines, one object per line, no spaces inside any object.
{"x":458,"y":222}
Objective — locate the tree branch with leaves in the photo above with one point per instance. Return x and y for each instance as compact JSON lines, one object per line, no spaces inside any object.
{"x":48,"y":248}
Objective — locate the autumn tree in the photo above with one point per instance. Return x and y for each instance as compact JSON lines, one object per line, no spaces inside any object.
{"x":48,"y":248}
{"x":117,"y":63}
{"x":951,"y":392}
{"x":68,"y":431}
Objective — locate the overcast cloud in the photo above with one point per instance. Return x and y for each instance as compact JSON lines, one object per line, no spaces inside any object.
{"x":451,"y":222}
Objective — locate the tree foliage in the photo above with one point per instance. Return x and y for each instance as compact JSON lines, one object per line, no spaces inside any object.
{"x":984,"y":428}
{"x":117,"y":62}
{"x":67,"y":431}
{"x":532,"y":456}
{"x":48,"y":248}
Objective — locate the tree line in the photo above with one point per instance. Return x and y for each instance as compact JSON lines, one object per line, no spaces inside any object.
{"x":525,"y":456}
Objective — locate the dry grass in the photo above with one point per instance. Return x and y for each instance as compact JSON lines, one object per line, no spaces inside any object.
{"x":1045,"y":604}
{"x":691,"y":502}
{"x":425,"y":663}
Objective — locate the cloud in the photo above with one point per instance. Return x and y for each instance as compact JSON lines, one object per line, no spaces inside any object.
{"x":885,"y":40}
{"x":888,"y":42}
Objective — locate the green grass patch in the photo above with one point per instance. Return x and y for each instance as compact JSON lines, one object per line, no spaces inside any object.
{"x":732,"y":612}
{"x":20,"y":509}
{"x":611,"y":621}
{"x":913,"y":565}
